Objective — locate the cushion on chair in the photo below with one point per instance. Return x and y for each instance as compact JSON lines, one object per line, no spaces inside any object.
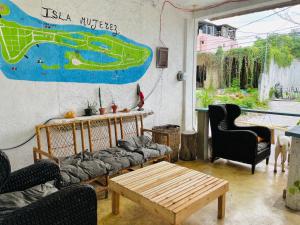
{"x":14,"y":200}
{"x":262,"y":146}
{"x":82,"y":167}
{"x":118,"y":159}
{"x":145,"y":146}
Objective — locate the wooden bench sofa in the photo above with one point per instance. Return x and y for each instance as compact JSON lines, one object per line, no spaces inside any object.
{"x":63,"y":139}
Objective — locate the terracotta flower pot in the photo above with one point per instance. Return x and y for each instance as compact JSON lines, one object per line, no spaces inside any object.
{"x":102,"y":111}
{"x":114,"y":108}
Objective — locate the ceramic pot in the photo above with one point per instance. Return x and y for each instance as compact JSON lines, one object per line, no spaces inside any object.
{"x":102,"y":111}
{"x":114,"y":108}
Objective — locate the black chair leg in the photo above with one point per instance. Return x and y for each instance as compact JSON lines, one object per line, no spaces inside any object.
{"x":267,"y":161}
{"x":212,"y":159}
{"x":253,"y":168}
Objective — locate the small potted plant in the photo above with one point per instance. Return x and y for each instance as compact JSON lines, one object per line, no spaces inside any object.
{"x":114,"y":107}
{"x":101,"y":110}
{"x":91,"y":109}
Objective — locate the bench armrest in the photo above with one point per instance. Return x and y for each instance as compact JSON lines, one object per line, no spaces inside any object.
{"x":37,"y":154}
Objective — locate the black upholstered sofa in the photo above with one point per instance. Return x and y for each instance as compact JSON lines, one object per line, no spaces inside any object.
{"x":74,"y":205}
{"x":236,"y":143}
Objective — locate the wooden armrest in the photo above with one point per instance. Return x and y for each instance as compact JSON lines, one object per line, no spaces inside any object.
{"x":42,"y":153}
{"x":159,"y":132}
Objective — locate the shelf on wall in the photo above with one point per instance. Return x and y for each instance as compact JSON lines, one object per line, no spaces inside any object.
{"x":145,"y":113}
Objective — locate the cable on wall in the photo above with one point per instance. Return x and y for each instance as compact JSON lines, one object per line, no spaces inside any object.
{"x":153,"y":89}
{"x":28,"y":140}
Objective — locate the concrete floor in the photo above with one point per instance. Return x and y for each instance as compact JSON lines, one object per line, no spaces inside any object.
{"x":252,"y":199}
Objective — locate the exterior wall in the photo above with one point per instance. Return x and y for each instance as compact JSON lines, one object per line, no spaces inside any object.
{"x":287,"y":77}
{"x":25,"y":104}
{"x":211,"y":43}
{"x":213,"y":78}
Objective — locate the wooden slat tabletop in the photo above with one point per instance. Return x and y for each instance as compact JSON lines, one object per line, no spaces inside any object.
{"x":177,"y":190}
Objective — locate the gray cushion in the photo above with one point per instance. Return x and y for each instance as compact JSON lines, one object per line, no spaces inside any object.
{"x":262,"y":146}
{"x":14,"y":200}
{"x":119,"y":159}
{"x":82,"y":167}
{"x":145,"y":146}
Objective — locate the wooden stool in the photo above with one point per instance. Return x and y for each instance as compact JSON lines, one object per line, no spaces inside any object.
{"x":188,"y":145}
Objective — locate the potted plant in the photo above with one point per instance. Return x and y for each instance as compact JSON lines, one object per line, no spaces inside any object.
{"x":91,"y":109}
{"x":114,"y":107}
{"x":101,"y":110}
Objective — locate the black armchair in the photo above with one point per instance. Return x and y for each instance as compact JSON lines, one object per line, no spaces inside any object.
{"x":236,"y":143}
{"x":74,"y":205}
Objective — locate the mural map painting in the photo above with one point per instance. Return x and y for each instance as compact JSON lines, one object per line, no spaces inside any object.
{"x":35,"y":51}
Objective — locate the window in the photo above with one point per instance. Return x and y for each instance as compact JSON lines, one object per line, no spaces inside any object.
{"x":210,"y":30}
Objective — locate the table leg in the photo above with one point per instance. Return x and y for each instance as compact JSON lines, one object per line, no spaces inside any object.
{"x":221,"y":206}
{"x":115,"y":203}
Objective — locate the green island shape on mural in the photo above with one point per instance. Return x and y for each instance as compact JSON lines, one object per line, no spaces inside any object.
{"x":23,"y":38}
{"x":4,"y":10}
{"x":52,"y":67}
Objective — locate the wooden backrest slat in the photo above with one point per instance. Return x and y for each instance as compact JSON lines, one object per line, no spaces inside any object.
{"x":121,"y":128}
{"x":82,"y":137}
{"x":142,"y":124}
{"x":48,"y":141}
{"x":38,"y":140}
{"x":90,"y":136}
{"x":109,"y":133}
{"x":116,"y":130}
{"x":74,"y":137}
{"x":137,"y":126}
{"x":38,"y":137}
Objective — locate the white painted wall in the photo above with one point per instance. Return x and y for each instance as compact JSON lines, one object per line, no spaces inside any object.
{"x":287,"y":77}
{"x":25,"y":104}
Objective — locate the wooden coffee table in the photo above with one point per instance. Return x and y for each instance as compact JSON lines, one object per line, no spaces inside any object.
{"x":169,"y":190}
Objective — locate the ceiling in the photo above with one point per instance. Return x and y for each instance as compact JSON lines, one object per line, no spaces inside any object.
{"x":216,"y":9}
{"x":196,"y":3}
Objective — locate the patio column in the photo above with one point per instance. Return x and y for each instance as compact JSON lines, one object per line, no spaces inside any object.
{"x":189,"y":67}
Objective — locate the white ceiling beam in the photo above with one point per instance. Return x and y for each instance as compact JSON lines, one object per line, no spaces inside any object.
{"x":241,"y":8}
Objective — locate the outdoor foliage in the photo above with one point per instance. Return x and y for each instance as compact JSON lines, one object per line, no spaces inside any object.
{"x":246,"y":64}
{"x":234,"y":95}
{"x":205,"y":97}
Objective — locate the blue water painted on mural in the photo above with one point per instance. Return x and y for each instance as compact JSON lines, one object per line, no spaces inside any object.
{"x":50,"y":62}
{"x":97,"y":43}
{"x":77,"y":36}
{"x":96,"y":57}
